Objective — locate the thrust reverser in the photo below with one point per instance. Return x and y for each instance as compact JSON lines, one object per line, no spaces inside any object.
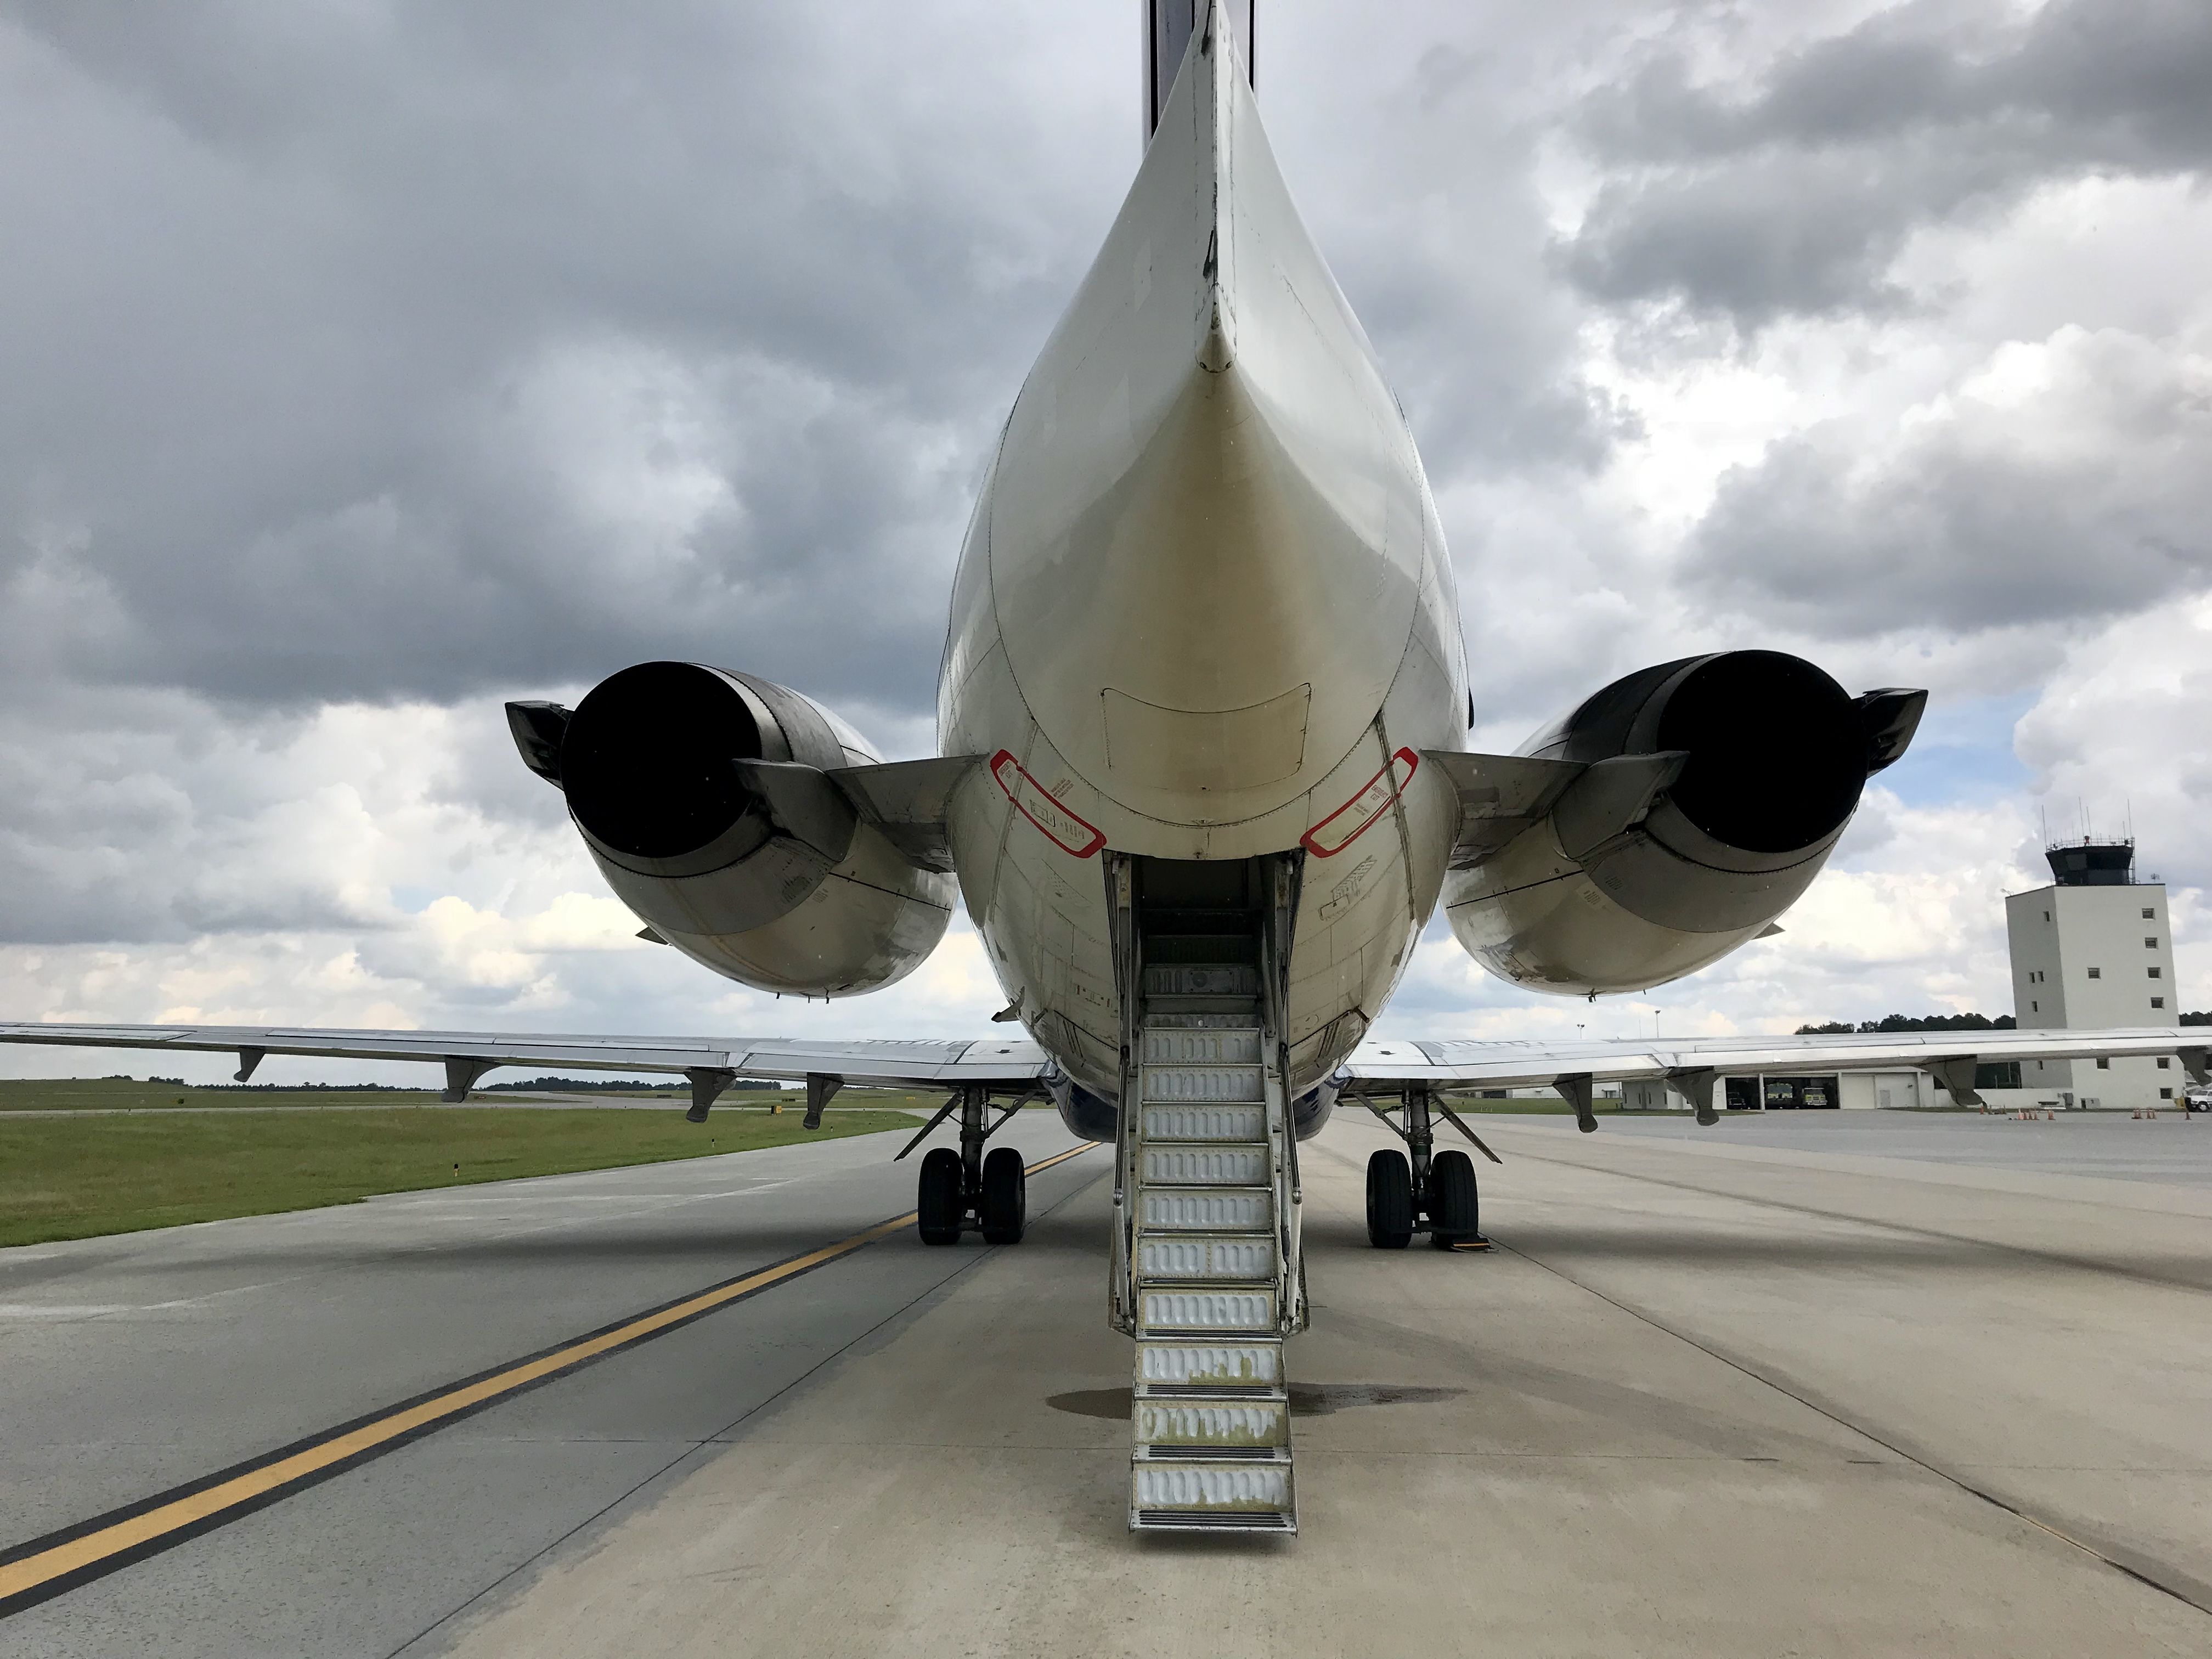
{"x":1619,"y":891}
{"x":720,"y":807}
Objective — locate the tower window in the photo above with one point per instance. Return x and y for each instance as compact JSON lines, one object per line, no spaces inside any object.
{"x":2096,"y":973}
{"x":2103,"y":1065}
{"x":2166,"y":1094}
{"x":2148,"y":916}
{"x":2034,"y":1008}
{"x":2153,"y":973}
{"x":2158,"y":1002}
{"x":2151,"y":944}
{"x":2165,"y":1064}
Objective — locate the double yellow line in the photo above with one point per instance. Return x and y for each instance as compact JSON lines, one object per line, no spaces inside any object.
{"x":46,"y":1567}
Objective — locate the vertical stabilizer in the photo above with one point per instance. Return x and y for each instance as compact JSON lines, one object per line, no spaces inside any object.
{"x":1169,"y":25}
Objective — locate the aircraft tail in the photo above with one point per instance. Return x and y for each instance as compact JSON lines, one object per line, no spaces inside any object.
{"x":1169,"y":25}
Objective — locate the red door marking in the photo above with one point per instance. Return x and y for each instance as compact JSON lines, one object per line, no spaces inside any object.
{"x":1350,"y":821}
{"x":1066,"y":831}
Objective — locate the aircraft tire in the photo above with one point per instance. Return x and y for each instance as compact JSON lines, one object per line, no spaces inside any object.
{"x":1005,"y":1197}
{"x":1454,"y":1202}
{"x":1389,"y":1201}
{"x":937,"y":1199}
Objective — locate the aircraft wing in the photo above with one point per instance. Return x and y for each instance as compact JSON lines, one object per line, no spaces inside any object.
{"x":1385,"y":1064}
{"x":711,"y":1063}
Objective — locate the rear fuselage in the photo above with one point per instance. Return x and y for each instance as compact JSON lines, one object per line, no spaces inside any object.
{"x":1204,"y":610}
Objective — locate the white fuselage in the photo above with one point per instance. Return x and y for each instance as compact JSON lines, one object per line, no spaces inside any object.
{"x":1204,"y":610}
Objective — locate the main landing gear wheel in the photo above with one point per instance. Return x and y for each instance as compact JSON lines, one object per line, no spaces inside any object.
{"x":938,"y":1201}
{"x":1005,"y":1197}
{"x":1389,"y":1201}
{"x":1455,"y":1205}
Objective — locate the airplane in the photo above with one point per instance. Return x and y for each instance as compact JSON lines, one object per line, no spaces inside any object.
{"x":1203,"y":713}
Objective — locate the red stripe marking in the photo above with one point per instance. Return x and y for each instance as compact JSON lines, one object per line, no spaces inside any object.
{"x":1035,"y":803}
{"x":1328,"y":837}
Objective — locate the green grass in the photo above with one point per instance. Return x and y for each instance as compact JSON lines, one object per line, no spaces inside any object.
{"x":75,"y":1177}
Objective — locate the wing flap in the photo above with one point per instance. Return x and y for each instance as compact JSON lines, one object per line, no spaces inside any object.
{"x":1384,"y":1065}
{"x":920,"y":1062}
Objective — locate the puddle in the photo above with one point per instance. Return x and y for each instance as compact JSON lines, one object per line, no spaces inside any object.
{"x":1309,"y":1400}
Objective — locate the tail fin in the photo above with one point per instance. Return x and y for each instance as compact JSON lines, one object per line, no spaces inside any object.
{"x":1169,"y":25}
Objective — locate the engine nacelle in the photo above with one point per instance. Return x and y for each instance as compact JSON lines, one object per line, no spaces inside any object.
{"x":764,"y":873}
{"x":1775,"y":755}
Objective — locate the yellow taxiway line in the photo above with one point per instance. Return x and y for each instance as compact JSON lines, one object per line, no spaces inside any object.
{"x":44,"y":1567}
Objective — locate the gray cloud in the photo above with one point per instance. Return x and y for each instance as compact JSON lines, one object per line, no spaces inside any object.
{"x":1793,"y":192}
{"x":2074,"y":482}
{"x":404,"y":351}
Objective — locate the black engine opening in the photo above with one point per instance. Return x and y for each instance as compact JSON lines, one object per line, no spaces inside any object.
{"x":1777,"y":750}
{"x":646,"y":760}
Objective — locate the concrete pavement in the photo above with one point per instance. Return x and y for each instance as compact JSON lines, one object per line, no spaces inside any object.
{"x":1835,"y":1386}
{"x":1664,"y":1416}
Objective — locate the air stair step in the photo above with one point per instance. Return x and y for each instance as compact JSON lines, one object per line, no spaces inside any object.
{"x":1185,"y":979}
{"x":1178,"y":1494}
{"x":1206,"y":1210}
{"x":1182,"y":1045}
{"x":1197,"y":1164}
{"x":1207,"y":1258}
{"x":1199,"y":1426}
{"x":1178,"y":1084}
{"x":1187,"y":1307}
{"x":1227,"y":1122}
{"x":1176,"y":1368}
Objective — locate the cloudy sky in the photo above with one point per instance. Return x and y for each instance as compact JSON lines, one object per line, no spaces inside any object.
{"x":365,"y":363}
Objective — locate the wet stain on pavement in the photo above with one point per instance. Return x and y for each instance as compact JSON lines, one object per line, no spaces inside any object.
{"x":1307,"y":1399}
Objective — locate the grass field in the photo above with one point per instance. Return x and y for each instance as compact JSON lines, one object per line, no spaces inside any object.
{"x":76,"y":1177}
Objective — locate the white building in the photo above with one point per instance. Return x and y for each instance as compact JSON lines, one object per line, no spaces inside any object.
{"x":2093,"y":950}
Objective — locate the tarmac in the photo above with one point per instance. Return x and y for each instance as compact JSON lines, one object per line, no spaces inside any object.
{"x":1832,"y":1383}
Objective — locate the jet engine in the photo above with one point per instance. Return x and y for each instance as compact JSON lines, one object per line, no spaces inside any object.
{"x":1666,"y":820}
{"x":722,"y":809}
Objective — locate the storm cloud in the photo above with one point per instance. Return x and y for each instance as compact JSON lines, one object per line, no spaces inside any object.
{"x":1793,"y":190}
{"x":363,"y":365}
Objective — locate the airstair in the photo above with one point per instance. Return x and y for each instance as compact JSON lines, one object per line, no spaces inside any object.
{"x":1207,"y":1270}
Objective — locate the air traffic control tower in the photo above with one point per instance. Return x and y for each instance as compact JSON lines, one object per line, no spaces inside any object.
{"x":2092,"y":951}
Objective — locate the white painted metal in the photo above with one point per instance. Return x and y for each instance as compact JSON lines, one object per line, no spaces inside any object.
{"x":1497,"y":1064}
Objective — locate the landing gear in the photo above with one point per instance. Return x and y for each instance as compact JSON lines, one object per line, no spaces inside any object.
{"x":1434,"y":1193}
{"x":938,"y":1203}
{"x":1389,"y":1201}
{"x":1455,"y":1205}
{"x":958,"y":1191}
{"x":1005,"y":1207}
